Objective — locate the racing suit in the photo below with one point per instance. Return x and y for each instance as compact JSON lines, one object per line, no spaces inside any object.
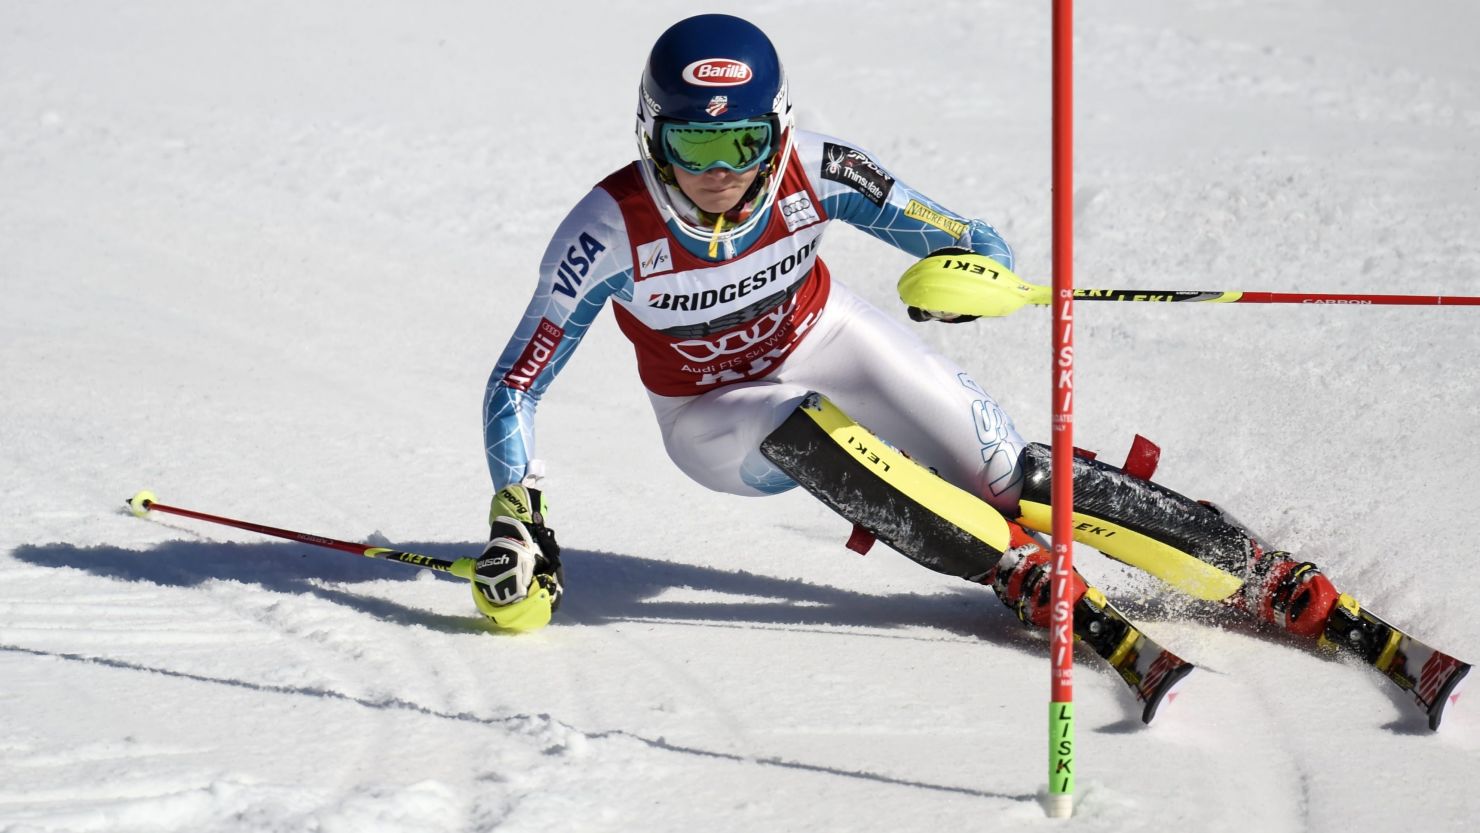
{"x":727,"y":346}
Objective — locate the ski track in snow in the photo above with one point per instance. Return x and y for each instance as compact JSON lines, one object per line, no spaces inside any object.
{"x":259,"y":258}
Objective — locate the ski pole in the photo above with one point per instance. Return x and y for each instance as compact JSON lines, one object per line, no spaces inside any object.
{"x":144,"y":502}
{"x":1272,"y":297}
{"x":969,"y":284}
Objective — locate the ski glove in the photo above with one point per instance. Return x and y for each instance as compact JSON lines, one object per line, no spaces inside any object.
{"x":918,"y":314}
{"x":517,"y":580}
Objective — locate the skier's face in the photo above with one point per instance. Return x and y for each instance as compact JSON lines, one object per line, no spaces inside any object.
{"x":717,"y":190}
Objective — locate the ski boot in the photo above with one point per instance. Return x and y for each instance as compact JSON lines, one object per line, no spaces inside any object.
{"x":1022,"y":580}
{"x":1292,"y":595}
{"x":1297,"y":598}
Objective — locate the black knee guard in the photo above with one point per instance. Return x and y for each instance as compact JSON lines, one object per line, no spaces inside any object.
{"x":1191,"y":545}
{"x":876,"y":487}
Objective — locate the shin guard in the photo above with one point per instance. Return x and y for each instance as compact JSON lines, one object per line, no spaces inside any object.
{"x":1192,"y":545}
{"x":1179,"y":540}
{"x":902,"y":503}
{"x":952,"y":531}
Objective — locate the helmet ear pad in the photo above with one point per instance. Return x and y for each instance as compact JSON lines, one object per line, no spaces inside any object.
{"x":655,"y":147}
{"x":659,"y":155}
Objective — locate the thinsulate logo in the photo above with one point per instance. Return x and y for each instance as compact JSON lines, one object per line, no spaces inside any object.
{"x":718,"y":72}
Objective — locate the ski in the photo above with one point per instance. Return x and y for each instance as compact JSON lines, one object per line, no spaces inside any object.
{"x":1153,"y":673}
{"x":1432,"y":678}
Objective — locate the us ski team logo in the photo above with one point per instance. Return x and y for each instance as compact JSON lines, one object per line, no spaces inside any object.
{"x":718,"y":105}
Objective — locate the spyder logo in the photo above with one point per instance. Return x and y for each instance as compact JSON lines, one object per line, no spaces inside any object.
{"x":834,"y":161}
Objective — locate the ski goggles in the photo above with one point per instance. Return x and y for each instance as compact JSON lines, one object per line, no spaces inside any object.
{"x":702,"y":146}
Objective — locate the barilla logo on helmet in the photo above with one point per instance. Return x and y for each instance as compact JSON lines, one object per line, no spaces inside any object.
{"x":718,"y":72}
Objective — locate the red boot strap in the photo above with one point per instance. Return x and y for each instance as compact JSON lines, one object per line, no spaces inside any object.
{"x":1315,"y":597}
{"x":1141,"y":460}
{"x":861,"y":540}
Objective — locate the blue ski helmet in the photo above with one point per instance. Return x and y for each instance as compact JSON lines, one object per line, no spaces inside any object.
{"x":713,"y":71}
{"x":713,"y":68}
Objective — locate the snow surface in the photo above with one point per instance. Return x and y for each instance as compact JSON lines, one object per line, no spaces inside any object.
{"x":260,"y":256}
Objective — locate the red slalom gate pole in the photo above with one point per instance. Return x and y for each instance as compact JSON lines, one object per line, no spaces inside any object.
{"x":1061,"y":621}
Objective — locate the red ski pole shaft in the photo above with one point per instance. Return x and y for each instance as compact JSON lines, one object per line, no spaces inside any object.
{"x":144,"y":502}
{"x":1320,"y":298}
{"x":1175,"y":295}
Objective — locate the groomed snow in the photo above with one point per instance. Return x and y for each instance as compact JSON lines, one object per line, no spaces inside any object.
{"x":259,"y":257}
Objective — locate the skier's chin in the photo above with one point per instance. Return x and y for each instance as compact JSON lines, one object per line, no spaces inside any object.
{"x":713,"y":192}
{"x":715,"y":201}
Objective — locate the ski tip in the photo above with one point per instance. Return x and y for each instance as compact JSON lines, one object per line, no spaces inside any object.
{"x":140,"y":502}
{"x":1449,"y":693}
{"x":1166,"y":691}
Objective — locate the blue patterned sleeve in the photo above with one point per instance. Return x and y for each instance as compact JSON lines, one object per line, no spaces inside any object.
{"x":862,"y":193}
{"x":587,"y":262}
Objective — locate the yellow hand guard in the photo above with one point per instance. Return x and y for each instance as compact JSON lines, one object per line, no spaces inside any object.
{"x":967,"y":284}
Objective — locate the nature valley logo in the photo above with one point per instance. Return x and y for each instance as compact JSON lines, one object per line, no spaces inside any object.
{"x":917,"y":210}
{"x":654,"y":258}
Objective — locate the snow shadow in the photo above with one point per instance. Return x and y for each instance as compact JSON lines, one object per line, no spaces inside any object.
{"x":286,"y":568}
{"x":605,"y":586}
{"x":601,"y":587}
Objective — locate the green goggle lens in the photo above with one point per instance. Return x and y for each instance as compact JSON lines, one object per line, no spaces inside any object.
{"x":697,"y":148}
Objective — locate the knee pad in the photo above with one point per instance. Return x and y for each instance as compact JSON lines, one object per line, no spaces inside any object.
{"x":900,"y":502}
{"x":1190,"y":545}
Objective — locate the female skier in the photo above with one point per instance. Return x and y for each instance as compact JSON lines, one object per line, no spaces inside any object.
{"x":707,"y":248}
